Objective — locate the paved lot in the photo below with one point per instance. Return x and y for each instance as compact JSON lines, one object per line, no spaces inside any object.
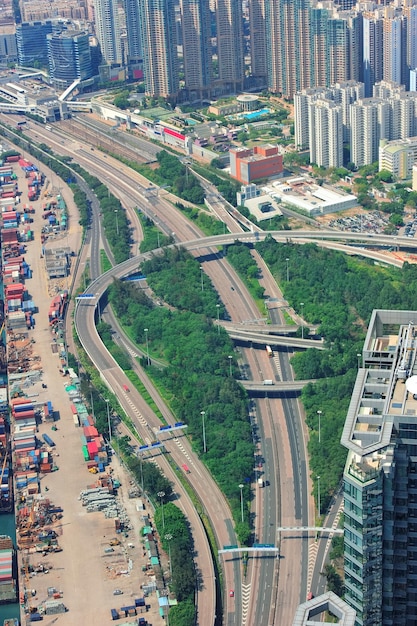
{"x":84,"y":573}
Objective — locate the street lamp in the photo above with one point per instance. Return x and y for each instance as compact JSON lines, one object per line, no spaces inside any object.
{"x":108,"y":418}
{"x":147,"y":346}
{"x":157,"y":233}
{"x":218,"y":318}
{"x":302,"y":322}
{"x":161,"y":495}
{"x":288,"y":270}
{"x":203,"y":415}
{"x":117,"y":222}
{"x":169,"y":538}
{"x":318,"y":495}
{"x":241,"y":500}
{"x":230,"y":365}
{"x":319,"y":414}
{"x":202,"y":278}
{"x":358,"y":356}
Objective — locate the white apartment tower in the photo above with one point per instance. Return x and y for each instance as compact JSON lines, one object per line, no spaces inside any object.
{"x":108,"y":30}
{"x":393,"y":42}
{"x":302,"y":101}
{"x":326,"y":134}
{"x":370,"y":122}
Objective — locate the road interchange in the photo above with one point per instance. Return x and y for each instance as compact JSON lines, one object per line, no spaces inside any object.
{"x":196,"y":245}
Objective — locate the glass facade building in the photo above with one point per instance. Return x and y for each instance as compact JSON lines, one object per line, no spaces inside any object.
{"x":380,"y":477}
{"x":69,"y":57}
{"x":32,"y":49}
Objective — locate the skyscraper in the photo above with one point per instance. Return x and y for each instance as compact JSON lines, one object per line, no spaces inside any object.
{"x":380,"y":477}
{"x":69,"y":57}
{"x":372,"y":51}
{"x":196,"y":48}
{"x":108,"y":30}
{"x":159,"y":44}
{"x":319,"y":41}
{"x":134,"y":43}
{"x":259,"y":69}
{"x":229,"y":37}
{"x":288,"y":45}
{"x":394,"y":36}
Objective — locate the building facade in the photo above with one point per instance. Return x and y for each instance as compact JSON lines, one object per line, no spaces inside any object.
{"x":32,"y":48}
{"x":197,"y":57}
{"x":134,"y":41}
{"x":159,"y":45}
{"x":380,"y":476}
{"x":288,"y":46}
{"x":108,"y":30}
{"x":248,"y":164}
{"x":229,"y":39}
{"x":398,"y":157}
{"x":370,"y":122}
{"x":326,"y":134}
{"x":69,"y":58}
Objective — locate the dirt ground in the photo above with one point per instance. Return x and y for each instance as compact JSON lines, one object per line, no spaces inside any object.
{"x":83,"y":572}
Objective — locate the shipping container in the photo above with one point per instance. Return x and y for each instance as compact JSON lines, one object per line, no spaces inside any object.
{"x":48,"y":440}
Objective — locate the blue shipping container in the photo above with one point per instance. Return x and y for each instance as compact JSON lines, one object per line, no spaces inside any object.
{"x":48,"y":440}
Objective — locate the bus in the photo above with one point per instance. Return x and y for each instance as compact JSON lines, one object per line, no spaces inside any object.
{"x":269,"y":351}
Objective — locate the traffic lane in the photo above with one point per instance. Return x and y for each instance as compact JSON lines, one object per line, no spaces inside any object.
{"x":202,"y":551}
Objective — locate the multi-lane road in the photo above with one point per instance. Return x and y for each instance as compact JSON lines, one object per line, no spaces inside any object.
{"x":273,"y":587}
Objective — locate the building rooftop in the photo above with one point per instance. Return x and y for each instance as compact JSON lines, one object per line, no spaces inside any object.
{"x":385,"y":389}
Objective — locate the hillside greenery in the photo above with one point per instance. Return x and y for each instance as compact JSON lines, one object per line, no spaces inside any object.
{"x":196,"y":377}
{"x":339,"y":293}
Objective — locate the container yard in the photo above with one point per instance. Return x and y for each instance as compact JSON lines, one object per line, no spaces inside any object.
{"x":8,"y":574}
{"x":80,"y":529}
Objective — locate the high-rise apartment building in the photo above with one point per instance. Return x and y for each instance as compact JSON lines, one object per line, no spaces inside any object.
{"x":229,"y":39}
{"x":32,"y":49}
{"x":370,"y":122}
{"x":196,"y":47}
{"x":258,"y":56}
{"x":108,"y":30}
{"x":159,"y":44}
{"x":134,"y":42}
{"x":380,"y":477}
{"x":302,"y":101}
{"x":342,"y":94}
{"x":69,"y":57}
{"x":394,"y":37}
{"x":319,"y":51}
{"x":326,"y":134}
{"x":288,"y":45}
{"x":373,"y":51}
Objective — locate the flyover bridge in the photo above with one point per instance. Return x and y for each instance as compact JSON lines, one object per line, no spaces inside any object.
{"x":263,"y":339}
{"x":277,"y":387}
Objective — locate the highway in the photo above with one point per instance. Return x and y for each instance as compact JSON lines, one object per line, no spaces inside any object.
{"x":275,"y":416}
